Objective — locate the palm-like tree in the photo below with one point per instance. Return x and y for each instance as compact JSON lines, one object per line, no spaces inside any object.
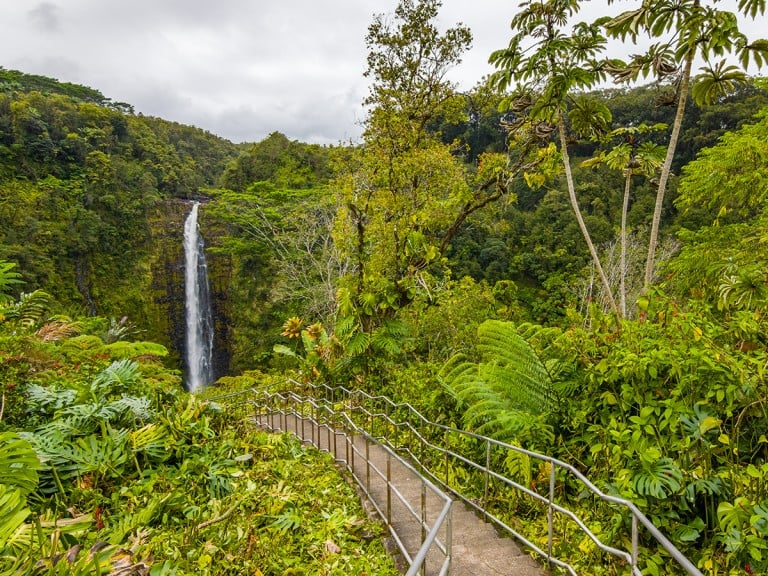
{"x":685,"y":30}
{"x":547,"y":67}
{"x":644,"y":159}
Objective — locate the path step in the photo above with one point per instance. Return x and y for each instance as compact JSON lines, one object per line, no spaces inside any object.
{"x":476,"y":547}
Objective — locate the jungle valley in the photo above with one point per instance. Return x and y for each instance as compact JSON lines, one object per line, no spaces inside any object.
{"x":611,"y":235}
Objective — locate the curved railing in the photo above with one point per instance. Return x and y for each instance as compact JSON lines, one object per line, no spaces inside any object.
{"x":336,"y":432}
{"x":434,"y":447}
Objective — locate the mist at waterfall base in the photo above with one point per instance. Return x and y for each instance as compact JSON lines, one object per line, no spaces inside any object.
{"x":199,"y":315}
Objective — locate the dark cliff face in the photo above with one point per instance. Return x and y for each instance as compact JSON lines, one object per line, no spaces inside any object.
{"x":165,"y":305}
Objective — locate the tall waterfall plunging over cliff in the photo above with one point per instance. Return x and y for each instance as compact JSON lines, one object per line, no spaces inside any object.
{"x":199,"y":317}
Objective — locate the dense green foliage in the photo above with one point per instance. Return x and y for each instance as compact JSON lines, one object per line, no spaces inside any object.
{"x":442,"y":261}
{"x":79,"y":180}
{"x":106,"y":466}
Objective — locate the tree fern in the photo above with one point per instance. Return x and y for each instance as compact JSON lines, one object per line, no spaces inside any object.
{"x":509,"y":392}
{"x":8,"y":278}
{"x":514,"y":369}
{"x":30,"y":309}
{"x":458,"y":369}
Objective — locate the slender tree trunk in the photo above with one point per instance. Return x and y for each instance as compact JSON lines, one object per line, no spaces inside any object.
{"x":682,"y":98}
{"x":623,"y":269}
{"x":579,"y":218}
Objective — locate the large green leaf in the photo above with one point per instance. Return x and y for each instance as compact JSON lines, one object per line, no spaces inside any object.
{"x":658,"y":479}
{"x":13,"y":512}
{"x":18,"y":462}
{"x":116,"y":377}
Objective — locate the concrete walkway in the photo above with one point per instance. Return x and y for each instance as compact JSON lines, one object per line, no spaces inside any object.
{"x":476,"y":548}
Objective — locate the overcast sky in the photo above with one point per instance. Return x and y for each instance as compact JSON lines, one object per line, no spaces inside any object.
{"x":237,"y":68}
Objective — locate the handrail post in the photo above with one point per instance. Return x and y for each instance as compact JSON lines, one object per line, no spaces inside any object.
{"x":449,"y":538}
{"x":423,"y":520}
{"x":422,"y":441}
{"x":334,"y":422}
{"x":550,"y":513}
{"x":301,"y":416}
{"x":445,"y":443}
{"x":634,"y":542}
{"x":367,"y":465}
{"x":389,"y":489}
{"x":487,"y":472}
{"x":315,"y":419}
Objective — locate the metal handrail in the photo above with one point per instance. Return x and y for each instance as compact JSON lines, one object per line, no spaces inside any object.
{"x":339,"y":423}
{"x":355,"y":401}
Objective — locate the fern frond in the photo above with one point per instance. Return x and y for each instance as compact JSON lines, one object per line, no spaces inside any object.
{"x":518,"y":465}
{"x":505,"y":392}
{"x":514,"y":368}
{"x":457,"y":368}
{"x":30,"y":308}
{"x":55,"y":330}
{"x":524,"y":391}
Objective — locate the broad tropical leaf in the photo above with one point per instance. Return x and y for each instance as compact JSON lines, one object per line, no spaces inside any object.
{"x":18,"y":463}
{"x":659,"y":479}
{"x":13,"y":512}
{"x":716,"y":82}
{"x":116,"y":377}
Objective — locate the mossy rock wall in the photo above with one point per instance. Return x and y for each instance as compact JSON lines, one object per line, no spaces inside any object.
{"x":165,"y":316}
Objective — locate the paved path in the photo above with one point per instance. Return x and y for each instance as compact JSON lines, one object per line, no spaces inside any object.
{"x":476,"y":547}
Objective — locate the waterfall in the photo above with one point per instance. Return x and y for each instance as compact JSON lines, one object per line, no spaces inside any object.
{"x":199,"y":317}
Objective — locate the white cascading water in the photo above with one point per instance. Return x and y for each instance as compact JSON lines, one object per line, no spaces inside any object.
{"x":199,"y":329}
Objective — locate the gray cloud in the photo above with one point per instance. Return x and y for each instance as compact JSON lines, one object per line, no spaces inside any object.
{"x":238,"y":68}
{"x":45,"y":17}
